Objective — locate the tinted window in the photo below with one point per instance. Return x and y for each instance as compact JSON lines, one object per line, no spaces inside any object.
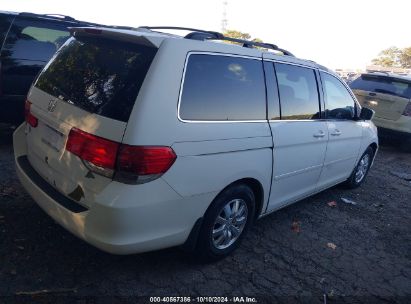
{"x":272,"y":92}
{"x":34,"y":40}
{"x":382,"y":84}
{"x":100,"y":76}
{"x":223,"y":88}
{"x":339,"y":102}
{"x":298,"y":92}
{"x":4,"y":27}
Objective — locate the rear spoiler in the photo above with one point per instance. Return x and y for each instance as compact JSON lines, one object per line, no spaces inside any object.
{"x":127,"y":35}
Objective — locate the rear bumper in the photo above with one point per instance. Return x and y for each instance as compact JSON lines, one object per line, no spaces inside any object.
{"x":394,"y":134}
{"x":115,"y":226}
{"x":25,"y":166}
{"x":400,"y":126}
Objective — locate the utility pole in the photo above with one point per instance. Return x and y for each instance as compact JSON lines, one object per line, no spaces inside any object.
{"x":224,"y":21}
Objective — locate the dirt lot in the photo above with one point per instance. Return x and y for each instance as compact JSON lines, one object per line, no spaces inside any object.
{"x":352,"y":253}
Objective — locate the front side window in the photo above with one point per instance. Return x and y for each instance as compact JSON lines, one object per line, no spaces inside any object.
{"x":339,"y":102}
{"x":298,"y":92}
{"x":34,"y":40}
{"x":223,"y":88}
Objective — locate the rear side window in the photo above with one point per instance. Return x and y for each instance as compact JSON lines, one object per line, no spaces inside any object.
{"x":5,"y":21}
{"x":273,"y":101}
{"x":339,"y":102}
{"x":221,"y":88}
{"x":34,"y":39}
{"x":382,"y":84}
{"x":298,"y":92}
{"x":100,"y":76}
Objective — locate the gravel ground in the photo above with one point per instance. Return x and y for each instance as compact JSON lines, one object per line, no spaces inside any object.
{"x":351,"y":253}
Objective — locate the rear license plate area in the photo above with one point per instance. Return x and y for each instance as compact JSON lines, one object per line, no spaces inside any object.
{"x":52,"y":138}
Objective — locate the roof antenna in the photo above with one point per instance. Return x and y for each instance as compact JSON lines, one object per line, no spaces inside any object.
{"x":224,"y":20}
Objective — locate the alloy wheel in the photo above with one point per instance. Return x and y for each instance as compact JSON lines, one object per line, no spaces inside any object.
{"x":362,"y":168}
{"x":230,"y":223}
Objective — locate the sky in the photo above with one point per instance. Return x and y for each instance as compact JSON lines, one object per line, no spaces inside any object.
{"x":337,"y":34}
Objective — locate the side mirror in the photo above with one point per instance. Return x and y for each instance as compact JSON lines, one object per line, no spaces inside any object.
{"x":366,"y":114}
{"x":342,"y":113}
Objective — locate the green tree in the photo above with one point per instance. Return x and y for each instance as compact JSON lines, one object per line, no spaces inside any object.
{"x":258,"y":40}
{"x":405,"y":58}
{"x":237,"y":34}
{"x":240,"y":35}
{"x":394,"y":57}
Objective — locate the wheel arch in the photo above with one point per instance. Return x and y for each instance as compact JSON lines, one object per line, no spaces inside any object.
{"x":257,"y":189}
{"x":374,"y":147}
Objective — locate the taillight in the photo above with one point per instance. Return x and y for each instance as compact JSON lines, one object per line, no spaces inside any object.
{"x":28,"y":116}
{"x":407,"y":111}
{"x":124,"y":163}
{"x":27,"y":106}
{"x":140,"y":164}
{"x":99,"y":154}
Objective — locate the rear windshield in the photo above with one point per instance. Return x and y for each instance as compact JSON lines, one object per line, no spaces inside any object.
{"x":381,"y":84}
{"x":100,"y":76}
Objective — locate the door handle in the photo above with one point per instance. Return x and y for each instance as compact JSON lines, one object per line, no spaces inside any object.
{"x":336,"y":132}
{"x":319,"y":134}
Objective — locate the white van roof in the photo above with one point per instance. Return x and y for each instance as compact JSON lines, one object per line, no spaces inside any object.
{"x":147,"y":36}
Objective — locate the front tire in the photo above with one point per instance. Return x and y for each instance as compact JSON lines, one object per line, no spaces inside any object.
{"x":226,"y":222}
{"x":361,"y":169}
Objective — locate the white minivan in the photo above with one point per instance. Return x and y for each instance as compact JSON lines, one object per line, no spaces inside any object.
{"x":137,"y":140}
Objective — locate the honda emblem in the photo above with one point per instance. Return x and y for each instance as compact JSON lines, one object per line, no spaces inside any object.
{"x":52,"y":105}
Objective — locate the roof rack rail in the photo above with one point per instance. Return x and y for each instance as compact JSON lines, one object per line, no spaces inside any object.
{"x":205,"y":34}
{"x":379,"y":72}
{"x":202,"y":35}
{"x":56,"y":16}
{"x":121,"y":27}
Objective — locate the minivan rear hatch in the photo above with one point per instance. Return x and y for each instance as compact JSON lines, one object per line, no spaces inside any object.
{"x":84,"y":96}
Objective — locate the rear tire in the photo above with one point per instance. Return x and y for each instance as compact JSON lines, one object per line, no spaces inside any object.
{"x":406,"y":146}
{"x":226,"y":222}
{"x":361,"y":170}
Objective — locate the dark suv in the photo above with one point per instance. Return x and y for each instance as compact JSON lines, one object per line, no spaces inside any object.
{"x":27,"y":42}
